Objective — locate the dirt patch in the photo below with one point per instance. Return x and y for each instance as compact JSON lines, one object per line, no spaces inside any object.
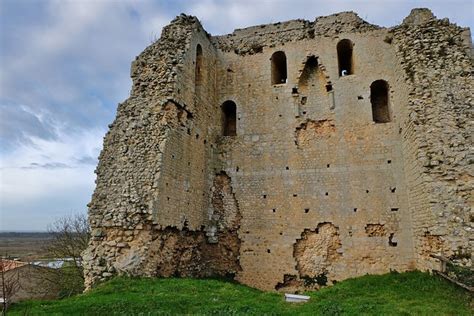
{"x":187,"y":253}
{"x":375,"y":230}
{"x":432,"y":244}
{"x":315,"y":252}
{"x":290,"y":284}
{"x":225,"y":208}
{"x":311,"y":131}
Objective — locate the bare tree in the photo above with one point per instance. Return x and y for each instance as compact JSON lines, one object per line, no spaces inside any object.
{"x":10,"y":283}
{"x":69,"y":238}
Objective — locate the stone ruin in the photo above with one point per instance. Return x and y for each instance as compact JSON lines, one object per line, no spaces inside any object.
{"x":290,"y":155}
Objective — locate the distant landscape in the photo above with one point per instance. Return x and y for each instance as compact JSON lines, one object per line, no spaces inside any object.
{"x":25,"y":246}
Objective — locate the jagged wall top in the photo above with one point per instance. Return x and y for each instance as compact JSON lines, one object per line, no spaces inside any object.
{"x":251,"y":40}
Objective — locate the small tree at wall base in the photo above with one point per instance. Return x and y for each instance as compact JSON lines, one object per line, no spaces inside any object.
{"x":69,"y":238}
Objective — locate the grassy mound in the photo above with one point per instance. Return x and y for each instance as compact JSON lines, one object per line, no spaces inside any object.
{"x":411,"y":293}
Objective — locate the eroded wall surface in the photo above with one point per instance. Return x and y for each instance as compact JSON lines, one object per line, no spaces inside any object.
{"x":311,"y":189}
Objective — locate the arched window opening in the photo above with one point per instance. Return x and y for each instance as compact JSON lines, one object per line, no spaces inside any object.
{"x":198,"y":69}
{"x":229,"y":118}
{"x":279,"y":74}
{"x":344,"y":57}
{"x":309,"y":71}
{"x":380,"y":101}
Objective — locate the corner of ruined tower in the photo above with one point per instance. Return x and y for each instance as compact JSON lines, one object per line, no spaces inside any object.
{"x":130,"y":164}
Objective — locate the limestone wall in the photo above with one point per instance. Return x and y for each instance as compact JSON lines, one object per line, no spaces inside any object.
{"x":437,"y":135}
{"x":311,"y":189}
{"x":308,"y":157}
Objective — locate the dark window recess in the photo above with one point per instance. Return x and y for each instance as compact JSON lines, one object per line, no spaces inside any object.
{"x":279,"y":72}
{"x":379,"y":99}
{"x":391,"y":242}
{"x":344,"y":57}
{"x":229,"y":116}
{"x":198,"y":69}
{"x":328,"y":87}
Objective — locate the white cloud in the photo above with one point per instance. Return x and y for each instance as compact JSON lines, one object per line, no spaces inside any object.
{"x":48,"y":177}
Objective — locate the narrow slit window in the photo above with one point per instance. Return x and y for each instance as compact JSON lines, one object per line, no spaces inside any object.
{"x":279,"y":73}
{"x":344,"y":57}
{"x":229,"y":115}
{"x":198,"y":69}
{"x":379,"y":99}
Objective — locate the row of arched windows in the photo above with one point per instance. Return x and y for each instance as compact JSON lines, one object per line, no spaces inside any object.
{"x":379,"y":90}
{"x":344,"y":61}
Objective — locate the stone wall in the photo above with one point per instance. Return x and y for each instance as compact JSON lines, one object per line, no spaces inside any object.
{"x":437,"y":135}
{"x":310,"y":190}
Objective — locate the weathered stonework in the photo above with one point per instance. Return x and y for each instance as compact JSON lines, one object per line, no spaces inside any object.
{"x":349,"y":152}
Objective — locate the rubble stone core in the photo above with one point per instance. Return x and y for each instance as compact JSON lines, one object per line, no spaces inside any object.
{"x":258,"y":156}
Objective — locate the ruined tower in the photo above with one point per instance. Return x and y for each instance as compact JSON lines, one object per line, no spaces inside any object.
{"x":289,"y":155}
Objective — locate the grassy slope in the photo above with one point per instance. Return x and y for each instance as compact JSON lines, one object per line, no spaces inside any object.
{"x":391,"y":294}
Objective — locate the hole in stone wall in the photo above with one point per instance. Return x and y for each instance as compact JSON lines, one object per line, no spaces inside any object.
{"x":205,"y":142}
{"x":279,"y":74}
{"x":379,"y":100}
{"x":328,"y":165}
{"x":264,"y":196}
{"x":167,"y":198}
{"x":303,"y":100}
{"x":268,"y":251}
{"x":389,"y":161}
{"x":355,"y":209}
{"x":393,"y":189}
{"x":328,"y":87}
{"x":394,"y":209}
{"x":391,"y":242}
{"x":197,"y":136}
{"x":287,"y":168}
{"x":306,"y":210}
{"x":274,"y":210}
{"x":295,"y":195}
{"x":344,"y":57}
{"x":360,"y":97}
{"x":304,"y":112}
{"x":327,"y":193}
{"x":229,"y":115}
{"x":366,"y":191}
{"x":237,"y":169}
{"x":294,"y":90}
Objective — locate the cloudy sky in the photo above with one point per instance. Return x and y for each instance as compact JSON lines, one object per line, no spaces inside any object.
{"x":64,"y":66}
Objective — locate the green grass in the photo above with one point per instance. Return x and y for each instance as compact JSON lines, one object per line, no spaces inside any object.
{"x":411,"y":293}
